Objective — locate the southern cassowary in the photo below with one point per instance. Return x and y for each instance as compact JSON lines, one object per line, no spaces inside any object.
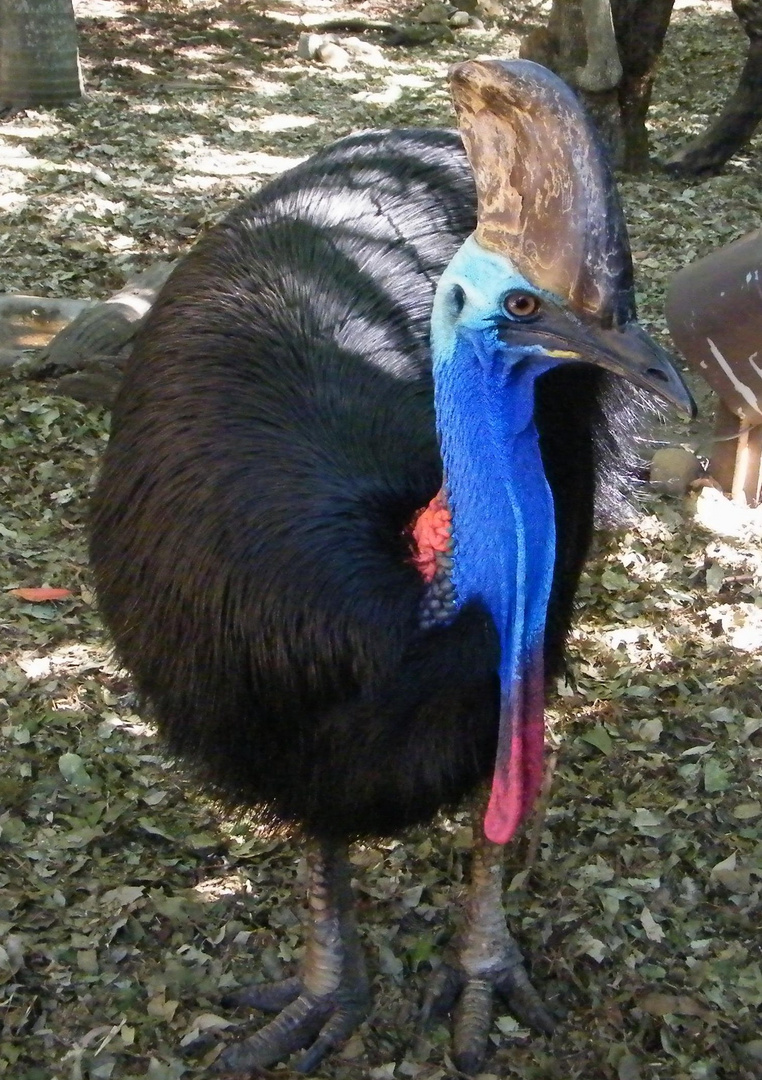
{"x":340,"y":561}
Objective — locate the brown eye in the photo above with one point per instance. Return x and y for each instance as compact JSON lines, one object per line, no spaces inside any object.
{"x":521,"y":305}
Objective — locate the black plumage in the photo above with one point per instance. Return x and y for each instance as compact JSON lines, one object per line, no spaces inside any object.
{"x":259,"y":552}
{"x":271,"y":445}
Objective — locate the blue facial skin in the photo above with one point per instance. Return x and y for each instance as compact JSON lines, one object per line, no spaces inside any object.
{"x":501,"y":505}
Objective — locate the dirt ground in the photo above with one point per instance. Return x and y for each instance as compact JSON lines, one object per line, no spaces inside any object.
{"x":128,"y":905}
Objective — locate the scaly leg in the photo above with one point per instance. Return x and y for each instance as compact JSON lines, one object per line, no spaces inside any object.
{"x":488,"y":960}
{"x":322,"y":1007}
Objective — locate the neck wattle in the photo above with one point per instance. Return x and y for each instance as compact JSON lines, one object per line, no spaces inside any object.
{"x":503,"y":543}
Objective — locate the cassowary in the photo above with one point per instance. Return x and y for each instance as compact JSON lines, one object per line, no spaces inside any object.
{"x":340,"y":563}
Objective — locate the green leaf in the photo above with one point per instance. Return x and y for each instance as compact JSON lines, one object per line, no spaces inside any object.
{"x":716,"y":778}
{"x":421,"y":952}
{"x":652,"y":929}
{"x":72,"y":769}
{"x":650,"y":730}
{"x":715,"y":576}
{"x":599,"y":738}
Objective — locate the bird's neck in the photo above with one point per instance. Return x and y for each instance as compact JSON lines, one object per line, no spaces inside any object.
{"x":499,"y":499}
{"x":503,"y":539}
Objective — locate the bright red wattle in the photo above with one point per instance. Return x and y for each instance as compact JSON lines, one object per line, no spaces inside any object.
{"x":519,"y":766}
{"x":431,"y":533}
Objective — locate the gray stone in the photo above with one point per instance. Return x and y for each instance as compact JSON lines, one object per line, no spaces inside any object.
{"x":333,"y":56}
{"x":308,"y":46}
{"x":434,"y":13}
{"x":364,"y":51}
{"x":673,"y":470}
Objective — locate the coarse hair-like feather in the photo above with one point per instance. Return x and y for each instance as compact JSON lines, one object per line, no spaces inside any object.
{"x":271,"y":445}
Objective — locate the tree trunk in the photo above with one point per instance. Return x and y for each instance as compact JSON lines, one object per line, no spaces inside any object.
{"x":739,"y":119}
{"x":88,"y":355}
{"x":39,"y":61}
{"x":578,"y":44}
{"x":641,"y":26}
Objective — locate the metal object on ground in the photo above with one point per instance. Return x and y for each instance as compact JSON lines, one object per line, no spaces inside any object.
{"x":714,"y":313}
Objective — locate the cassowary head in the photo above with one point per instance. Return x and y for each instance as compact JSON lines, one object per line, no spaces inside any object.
{"x":545,"y":280}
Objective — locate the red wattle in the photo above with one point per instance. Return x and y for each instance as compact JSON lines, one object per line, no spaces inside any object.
{"x":432,"y":535}
{"x":518,"y":772}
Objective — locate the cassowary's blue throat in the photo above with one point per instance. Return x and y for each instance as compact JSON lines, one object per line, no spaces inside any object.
{"x":501,"y":506}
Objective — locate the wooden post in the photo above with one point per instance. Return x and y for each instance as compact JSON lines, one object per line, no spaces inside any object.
{"x":736,"y":461}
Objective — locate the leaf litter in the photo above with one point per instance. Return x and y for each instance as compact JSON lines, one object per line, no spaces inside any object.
{"x":128,"y":905}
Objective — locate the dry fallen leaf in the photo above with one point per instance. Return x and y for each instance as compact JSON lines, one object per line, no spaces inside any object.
{"x":38,"y":595}
{"x":677,"y":1004}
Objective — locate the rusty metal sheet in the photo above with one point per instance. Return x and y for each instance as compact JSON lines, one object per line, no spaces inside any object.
{"x":714,"y":313}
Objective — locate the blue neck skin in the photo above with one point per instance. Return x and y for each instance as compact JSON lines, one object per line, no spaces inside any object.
{"x":501,"y":505}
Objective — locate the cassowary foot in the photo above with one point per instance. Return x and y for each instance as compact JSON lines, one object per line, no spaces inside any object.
{"x":319,"y":1010}
{"x":488,"y":961}
{"x":470,"y":999}
{"x":320,"y":1023}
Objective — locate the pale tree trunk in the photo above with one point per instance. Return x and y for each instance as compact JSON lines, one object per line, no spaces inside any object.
{"x":39,"y":60}
{"x":579,"y":44}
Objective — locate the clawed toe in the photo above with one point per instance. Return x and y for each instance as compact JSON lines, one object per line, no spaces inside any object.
{"x":472,"y":1023}
{"x":319,"y":1010}
{"x":335,"y":1032}
{"x":442,"y":991}
{"x":314,"y":1024}
{"x":487,"y":961}
{"x":474,"y":1011}
{"x":267,"y":996}
{"x":470,"y":1000}
{"x":292,"y":1029}
{"x":525,"y":1003}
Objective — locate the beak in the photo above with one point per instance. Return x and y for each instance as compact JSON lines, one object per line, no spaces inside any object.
{"x":630,"y":352}
{"x":624,"y":349}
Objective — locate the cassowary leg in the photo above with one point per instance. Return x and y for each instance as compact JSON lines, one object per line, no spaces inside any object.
{"x":488,"y":960}
{"x":320,"y":1008}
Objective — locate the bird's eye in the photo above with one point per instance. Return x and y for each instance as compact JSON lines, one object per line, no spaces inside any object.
{"x":521,"y":305}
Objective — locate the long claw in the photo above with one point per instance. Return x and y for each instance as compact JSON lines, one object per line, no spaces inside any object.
{"x":291,"y":1030}
{"x":488,"y":961}
{"x":524,"y":1001}
{"x":319,"y":1010}
{"x":267,"y":997}
{"x":442,"y":991}
{"x":473,"y":1020}
{"x":336,"y":1031}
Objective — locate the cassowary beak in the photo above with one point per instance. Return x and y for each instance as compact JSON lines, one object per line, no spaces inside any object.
{"x":627,"y":351}
{"x":630,"y":352}
{"x":548,"y":203}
